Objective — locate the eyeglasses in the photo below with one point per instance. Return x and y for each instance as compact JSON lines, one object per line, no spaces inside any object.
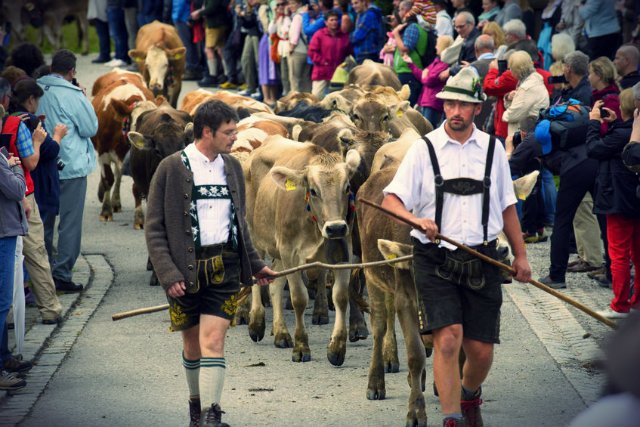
{"x":457,"y":27}
{"x":230,"y":133}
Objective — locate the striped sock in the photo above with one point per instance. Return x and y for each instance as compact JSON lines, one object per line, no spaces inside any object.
{"x":211,"y":380}
{"x":192,"y":371}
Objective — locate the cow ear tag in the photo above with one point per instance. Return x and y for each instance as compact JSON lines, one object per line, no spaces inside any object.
{"x":399,"y":113}
{"x":521,"y":196}
{"x":391,"y":256}
{"x":289,"y":185}
{"x":178,"y":56}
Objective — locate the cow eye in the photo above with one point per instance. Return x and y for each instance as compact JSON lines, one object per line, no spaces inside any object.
{"x":347,"y":190}
{"x":313,"y":192}
{"x":356,"y":117}
{"x":385,"y":118}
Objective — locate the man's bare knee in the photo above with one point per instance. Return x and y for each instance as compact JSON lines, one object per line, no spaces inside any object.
{"x":447,"y":340}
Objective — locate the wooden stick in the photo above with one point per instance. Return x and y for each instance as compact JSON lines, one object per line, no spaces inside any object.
{"x":498,"y":264}
{"x":244,"y":292}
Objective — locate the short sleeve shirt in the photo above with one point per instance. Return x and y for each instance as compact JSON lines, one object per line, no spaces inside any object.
{"x":24,"y":143}
{"x":461,"y":215}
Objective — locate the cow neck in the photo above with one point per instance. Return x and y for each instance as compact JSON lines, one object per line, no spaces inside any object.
{"x":168,"y":78}
{"x":126,"y":122}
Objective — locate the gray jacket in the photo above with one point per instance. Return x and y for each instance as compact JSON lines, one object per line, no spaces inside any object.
{"x":168,"y":223}
{"x":13,"y":221}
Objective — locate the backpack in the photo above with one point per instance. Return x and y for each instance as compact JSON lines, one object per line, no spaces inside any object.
{"x":429,"y":53}
{"x":562,"y":126}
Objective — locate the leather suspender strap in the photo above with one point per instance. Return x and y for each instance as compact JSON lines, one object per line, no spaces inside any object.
{"x":486,"y":187}
{"x":439,"y":182}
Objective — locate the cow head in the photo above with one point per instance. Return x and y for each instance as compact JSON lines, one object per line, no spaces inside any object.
{"x":392,"y":250}
{"x":328,"y":195}
{"x":156,"y":66}
{"x":371,"y":115}
{"x":162,"y":132}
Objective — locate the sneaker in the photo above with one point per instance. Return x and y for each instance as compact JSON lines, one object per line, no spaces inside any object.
{"x":610,"y":313}
{"x":453,"y":422}
{"x":100,"y":60}
{"x":195,"y":411}
{"x":581,"y":267}
{"x":212,"y":417}
{"x":245,"y":92}
{"x":67,"y":286}
{"x":191,"y":75}
{"x":243,"y":86}
{"x":593,"y":274}
{"x":115,"y":62}
{"x":207,"y":81}
{"x":471,"y":412}
{"x":16,"y":364}
{"x":9,"y":381}
{"x":553,"y":284}
{"x":228,"y":85}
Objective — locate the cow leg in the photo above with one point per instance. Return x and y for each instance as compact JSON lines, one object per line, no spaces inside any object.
{"x":282,"y":339}
{"x":138,"y":213}
{"x":83,"y":32}
{"x":300,"y":299}
{"x":337,"y":347}
{"x":378,"y":316}
{"x":407,"y":312}
{"x":320,"y":307}
{"x":390,"y":344}
{"x":357,"y":325}
{"x":115,"y":197}
{"x":106,"y":182}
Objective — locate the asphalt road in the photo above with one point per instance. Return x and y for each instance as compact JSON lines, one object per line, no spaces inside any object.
{"x":128,"y":373}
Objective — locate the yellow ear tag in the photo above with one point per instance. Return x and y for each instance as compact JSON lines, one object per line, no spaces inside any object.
{"x":289,"y":185}
{"x":177,"y":56}
{"x":521,"y":196}
{"x":391,"y":256}
{"x":399,"y":113}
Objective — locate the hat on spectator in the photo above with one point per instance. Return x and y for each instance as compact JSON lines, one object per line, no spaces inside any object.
{"x":465,"y":86}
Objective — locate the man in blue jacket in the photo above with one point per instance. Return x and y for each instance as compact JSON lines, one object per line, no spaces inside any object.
{"x":65,"y":102}
{"x":368,"y":37}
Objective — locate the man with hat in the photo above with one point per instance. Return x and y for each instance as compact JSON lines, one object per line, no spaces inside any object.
{"x":456,"y":181}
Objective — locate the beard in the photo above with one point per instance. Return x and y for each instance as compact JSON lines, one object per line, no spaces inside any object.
{"x":459,"y":124}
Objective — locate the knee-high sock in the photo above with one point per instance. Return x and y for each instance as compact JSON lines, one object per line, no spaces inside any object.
{"x":212,"y":63}
{"x":192,"y":372}
{"x":212,"y":371}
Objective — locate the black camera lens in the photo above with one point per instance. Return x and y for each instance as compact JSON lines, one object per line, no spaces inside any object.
{"x":60,"y":164}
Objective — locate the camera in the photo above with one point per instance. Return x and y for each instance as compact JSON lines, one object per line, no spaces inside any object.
{"x":557,"y":79}
{"x":502,"y":66}
{"x":60,"y":164}
{"x":604,"y":113}
{"x":517,"y":139}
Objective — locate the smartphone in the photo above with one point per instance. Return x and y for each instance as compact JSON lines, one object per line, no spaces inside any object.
{"x":502,"y":66}
{"x":557,"y":79}
{"x":604,"y":113}
{"x":4,"y":152}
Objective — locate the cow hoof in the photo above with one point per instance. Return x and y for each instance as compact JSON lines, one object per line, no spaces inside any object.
{"x":414,"y":421}
{"x":106,"y":218}
{"x":149,"y":265}
{"x":320,"y":319}
{"x":138,"y":226}
{"x":358,"y":332}
{"x":376,"y":394}
{"x":153,"y":280}
{"x":336,"y":357}
{"x":428,"y":352}
{"x":117,"y":208}
{"x":283,"y":341}
{"x":435,"y":390}
{"x":301,"y":356}
{"x":391,"y":367}
{"x":256,"y":330}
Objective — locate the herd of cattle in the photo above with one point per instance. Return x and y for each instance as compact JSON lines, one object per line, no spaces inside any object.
{"x":305,"y":165}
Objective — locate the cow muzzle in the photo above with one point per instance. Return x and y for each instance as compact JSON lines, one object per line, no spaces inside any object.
{"x":156,"y":89}
{"x":335,"y":229}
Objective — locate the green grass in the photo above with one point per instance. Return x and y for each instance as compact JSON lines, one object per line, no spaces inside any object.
{"x":70,"y":37}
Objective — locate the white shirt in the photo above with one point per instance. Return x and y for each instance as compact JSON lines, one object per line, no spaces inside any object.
{"x":214,"y":215}
{"x":444,"y":25}
{"x":461,"y":215}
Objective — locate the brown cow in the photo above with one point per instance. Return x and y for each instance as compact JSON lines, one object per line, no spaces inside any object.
{"x":193,"y":99}
{"x":115,"y":75}
{"x":113,"y":106}
{"x":160,"y":56}
{"x":298,"y":211}
{"x":371,"y":73}
{"x":290,"y":100}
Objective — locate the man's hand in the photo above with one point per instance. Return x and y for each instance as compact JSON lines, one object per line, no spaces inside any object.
{"x":177,"y":289}
{"x":522,"y":269}
{"x":264,"y":276}
{"x":13,"y":160}
{"x":27,"y":207}
{"x":396,"y":30}
{"x":493,"y":65}
{"x":428,"y":227}
{"x":59,"y":132}
{"x":38,"y":136}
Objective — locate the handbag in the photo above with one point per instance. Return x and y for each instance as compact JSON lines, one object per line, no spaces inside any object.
{"x":275,"y":55}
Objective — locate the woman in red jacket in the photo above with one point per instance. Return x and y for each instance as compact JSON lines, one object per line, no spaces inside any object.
{"x":328,"y":48}
{"x":602,"y":76}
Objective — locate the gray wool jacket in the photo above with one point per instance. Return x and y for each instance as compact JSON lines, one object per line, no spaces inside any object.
{"x":13,"y":221}
{"x":168,"y":223}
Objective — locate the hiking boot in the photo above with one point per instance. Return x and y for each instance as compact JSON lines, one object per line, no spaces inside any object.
{"x":208,"y":81}
{"x":581,"y":267}
{"x":17,"y":365}
{"x":553,"y":284}
{"x":212,"y":417}
{"x":67,"y":286}
{"x":9,"y":381}
{"x":471,"y":412}
{"x":453,"y":422}
{"x":191,"y":75}
{"x":194,"y":412}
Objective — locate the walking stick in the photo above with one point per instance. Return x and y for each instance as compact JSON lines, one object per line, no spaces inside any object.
{"x":498,"y":264}
{"x":244,"y":292}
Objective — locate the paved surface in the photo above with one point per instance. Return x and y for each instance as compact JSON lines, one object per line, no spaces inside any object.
{"x":92,"y":371}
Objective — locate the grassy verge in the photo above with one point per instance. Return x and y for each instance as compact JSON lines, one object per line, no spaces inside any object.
{"x":71,"y":40}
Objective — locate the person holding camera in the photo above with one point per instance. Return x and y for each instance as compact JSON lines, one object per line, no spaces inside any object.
{"x":65,"y":102}
{"x":616,"y":198}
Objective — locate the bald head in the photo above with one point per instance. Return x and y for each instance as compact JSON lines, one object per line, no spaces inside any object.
{"x":484,"y":44}
{"x":627,"y":59}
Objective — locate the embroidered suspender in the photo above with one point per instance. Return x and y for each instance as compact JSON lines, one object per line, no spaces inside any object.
{"x":463,"y":186}
{"x":208,"y":192}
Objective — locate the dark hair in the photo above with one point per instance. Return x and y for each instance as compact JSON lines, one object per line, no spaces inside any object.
{"x":327,"y":4}
{"x":5,"y":87}
{"x":13,"y":74}
{"x":25,"y":89}
{"x":63,"y":61}
{"x":42,"y":70}
{"x":212,"y":114}
{"x":331,"y":13}
{"x":26,"y":56}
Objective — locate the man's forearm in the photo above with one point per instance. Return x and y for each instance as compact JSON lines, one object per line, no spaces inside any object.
{"x":395,"y":205}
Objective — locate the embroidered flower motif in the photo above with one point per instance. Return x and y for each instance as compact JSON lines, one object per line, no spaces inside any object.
{"x":178,"y":317}
{"x":224,"y":191}
{"x":231,"y":305}
{"x":203,"y":191}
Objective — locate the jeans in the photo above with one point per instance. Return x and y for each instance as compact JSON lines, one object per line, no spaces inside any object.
{"x":434,"y":116}
{"x":7,"y":260}
{"x":184,"y":31}
{"x":549,"y":195}
{"x":102,"y":29}
{"x":118,"y":30}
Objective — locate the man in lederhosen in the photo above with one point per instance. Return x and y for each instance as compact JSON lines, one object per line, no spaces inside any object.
{"x":201,"y":250}
{"x":456,"y":181}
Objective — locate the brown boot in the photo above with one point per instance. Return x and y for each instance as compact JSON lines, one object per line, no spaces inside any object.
{"x":471,"y":411}
{"x":194,"y":412}
{"x":212,"y":416}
